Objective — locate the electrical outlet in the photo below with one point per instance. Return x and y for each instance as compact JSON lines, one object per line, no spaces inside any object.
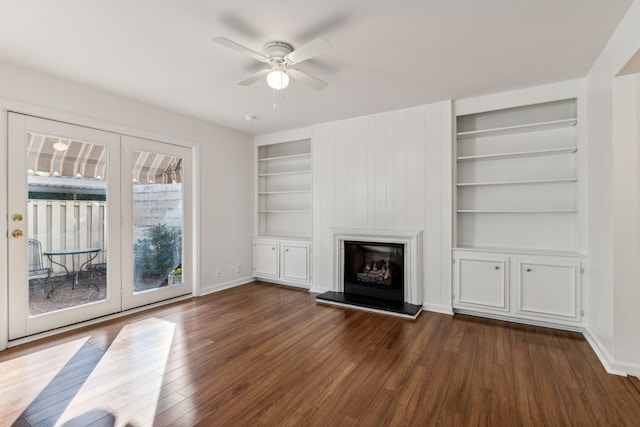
{"x":239,"y":268}
{"x":218,"y":273}
{"x":231,"y":270}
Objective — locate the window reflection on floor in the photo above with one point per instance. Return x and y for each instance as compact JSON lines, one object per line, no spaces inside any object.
{"x":80,"y":383}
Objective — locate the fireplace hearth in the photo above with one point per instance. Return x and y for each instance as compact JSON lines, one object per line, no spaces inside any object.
{"x":377,"y":271}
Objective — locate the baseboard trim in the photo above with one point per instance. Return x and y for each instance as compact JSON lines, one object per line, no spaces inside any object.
{"x":442,"y":309}
{"x":602,"y":354}
{"x":282,"y":282}
{"x":532,"y":322}
{"x":226,"y":285}
{"x":318,"y":290}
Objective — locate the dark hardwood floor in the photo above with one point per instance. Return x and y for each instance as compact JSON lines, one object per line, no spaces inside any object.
{"x":267,"y":355}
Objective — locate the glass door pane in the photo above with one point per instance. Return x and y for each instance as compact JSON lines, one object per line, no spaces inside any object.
{"x":156,"y":232}
{"x":67,"y":243}
{"x":157,"y":220}
{"x":60,"y":177}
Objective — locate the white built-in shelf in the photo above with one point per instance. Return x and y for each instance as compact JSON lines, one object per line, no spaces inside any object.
{"x":518,"y":128}
{"x":284,"y":189}
{"x":288,"y":157}
{"x":299,"y":172}
{"x":264,"y":193}
{"x":533,"y":181}
{"x":517,"y":211}
{"x":285,"y":211}
{"x":550,"y":151}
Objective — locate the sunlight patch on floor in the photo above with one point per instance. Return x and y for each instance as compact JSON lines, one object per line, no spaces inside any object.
{"x":22,"y":379}
{"x":127,"y":381}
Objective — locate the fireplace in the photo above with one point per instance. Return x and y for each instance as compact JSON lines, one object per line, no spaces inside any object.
{"x":377,"y":270}
{"x":374,"y":269}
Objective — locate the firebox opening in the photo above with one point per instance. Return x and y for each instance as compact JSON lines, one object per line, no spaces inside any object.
{"x":374,"y":269}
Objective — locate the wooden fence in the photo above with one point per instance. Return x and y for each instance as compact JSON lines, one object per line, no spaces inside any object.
{"x":68,"y":224}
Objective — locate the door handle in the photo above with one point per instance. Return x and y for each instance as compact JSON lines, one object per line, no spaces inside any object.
{"x":16,"y":233}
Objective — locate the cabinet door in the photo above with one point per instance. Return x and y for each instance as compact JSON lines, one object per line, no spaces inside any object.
{"x":549,"y":289}
{"x":265,"y":259}
{"x":295,"y":262}
{"x":481,"y":282}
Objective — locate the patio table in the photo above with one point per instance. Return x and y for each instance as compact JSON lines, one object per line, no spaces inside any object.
{"x":75,"y":255}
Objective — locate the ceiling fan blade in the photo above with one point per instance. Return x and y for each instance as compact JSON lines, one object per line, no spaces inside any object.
{"x":235,"y":46}
{"x":254,"y":77}
{"x":307,"y":79}
{"x":309,"y":50}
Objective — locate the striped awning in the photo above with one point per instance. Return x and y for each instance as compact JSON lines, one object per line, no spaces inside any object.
{"x":50,"y":156}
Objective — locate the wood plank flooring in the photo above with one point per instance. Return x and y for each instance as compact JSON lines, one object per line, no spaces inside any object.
{"x":267,"y":355}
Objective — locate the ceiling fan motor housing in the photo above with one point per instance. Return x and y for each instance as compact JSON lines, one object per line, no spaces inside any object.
{"x":276,"y":49}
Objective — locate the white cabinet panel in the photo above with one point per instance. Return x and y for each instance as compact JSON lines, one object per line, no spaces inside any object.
{"x":266,"y":258}
{"x":282,"y":261}
{"x":295,"y":262}
{"x":530,"y":288}
{"x":482,"y":282}
{"x":549,"y":289}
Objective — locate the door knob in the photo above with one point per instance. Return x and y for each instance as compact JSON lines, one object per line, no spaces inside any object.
{"x":16,"y":217}
{"x":17,"y":233}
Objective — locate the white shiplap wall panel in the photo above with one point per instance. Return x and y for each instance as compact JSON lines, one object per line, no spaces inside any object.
{"x":381,"y":164}
{"x":415,"y":167}
{"x":385,"y":171}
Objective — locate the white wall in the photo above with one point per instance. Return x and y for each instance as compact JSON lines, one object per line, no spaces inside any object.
{"x":225,"y":192}
{"x":608,"y":314}
{"x":626,"y":214}
{"x":386,"y":171}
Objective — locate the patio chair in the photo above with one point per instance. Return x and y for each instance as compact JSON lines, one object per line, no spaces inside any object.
{"x":97,"y":274}
{"x":37,"y":270}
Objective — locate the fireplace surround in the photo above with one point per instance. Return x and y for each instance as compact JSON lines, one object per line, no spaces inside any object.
{"x":378,"y":270}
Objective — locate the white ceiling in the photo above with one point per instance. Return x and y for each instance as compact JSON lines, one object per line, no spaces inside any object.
{"x":386,"y":54}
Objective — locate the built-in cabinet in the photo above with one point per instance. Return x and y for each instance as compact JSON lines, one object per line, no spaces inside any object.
{"x":283,"y":219}
{"x":518,"y":233}
{"x":539,"y":289}
{"x":282,"y":261}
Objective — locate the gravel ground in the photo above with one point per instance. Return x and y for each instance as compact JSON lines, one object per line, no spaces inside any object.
{"x":64,"y":296}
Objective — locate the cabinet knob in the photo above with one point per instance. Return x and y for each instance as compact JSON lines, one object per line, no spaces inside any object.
{"x":497,"y":267}
{"x":273,"y":249}
{"x":527,"y":269}
{"x":287,"y":250}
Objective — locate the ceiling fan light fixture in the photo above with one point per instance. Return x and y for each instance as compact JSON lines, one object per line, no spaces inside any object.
{"x":278,"y":79}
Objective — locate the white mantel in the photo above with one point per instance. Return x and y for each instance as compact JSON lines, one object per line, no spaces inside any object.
{"x":410,"y":239}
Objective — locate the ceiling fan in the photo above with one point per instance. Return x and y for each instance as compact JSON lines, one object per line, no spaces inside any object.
{"x":281,"y":59}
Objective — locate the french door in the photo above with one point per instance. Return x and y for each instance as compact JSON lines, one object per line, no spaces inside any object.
{"x":97,"y":223}
{"x":156,"y":194}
